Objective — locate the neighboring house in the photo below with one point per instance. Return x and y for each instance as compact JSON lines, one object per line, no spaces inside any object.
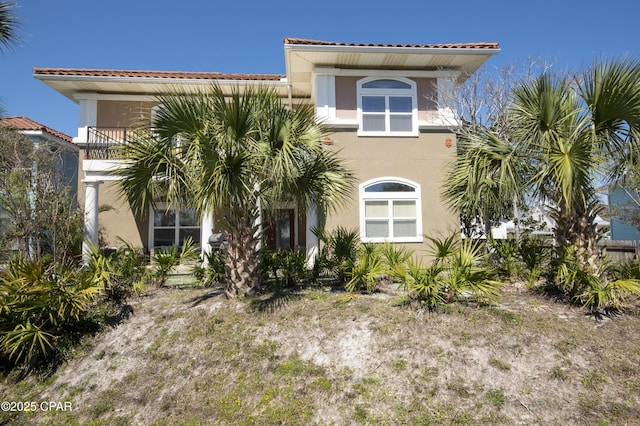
{"x":41,"y":136}
{"x":539,"y":219}
{"x":622,"y":201}
{"x":385,"y":103}
{"x":56,"y":141}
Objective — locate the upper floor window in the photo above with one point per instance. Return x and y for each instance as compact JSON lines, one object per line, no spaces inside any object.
{"x":387,"y":107}
{"x":390,"y":210}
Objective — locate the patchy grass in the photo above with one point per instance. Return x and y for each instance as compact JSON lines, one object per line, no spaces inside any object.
{"x":320,"y":357}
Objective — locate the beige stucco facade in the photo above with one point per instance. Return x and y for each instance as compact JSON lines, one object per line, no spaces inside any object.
{"x":123,"y":114}
{"x":423,"y":160}
{"x":325,"y":74}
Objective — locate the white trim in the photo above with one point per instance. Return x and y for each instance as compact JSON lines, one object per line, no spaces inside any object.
{"x":390,"y":197}
{"x":114,"y":97}
{"x":87,"y":117}
{"x":397,"y":74}
{"x":102,"y":169}
{"x":325,"y":89}
{"x":312,"y":240}
{"x":387,"y":93}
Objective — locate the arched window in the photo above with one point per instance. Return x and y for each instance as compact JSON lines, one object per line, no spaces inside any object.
{"x":390,"y":210}
{"x":387,"y":107}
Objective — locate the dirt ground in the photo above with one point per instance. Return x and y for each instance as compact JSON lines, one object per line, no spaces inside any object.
{"x":324,"y":357}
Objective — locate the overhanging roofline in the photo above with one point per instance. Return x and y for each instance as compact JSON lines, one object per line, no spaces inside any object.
{"x":458,"y":48}
{"x":387,"y":49}
{"x":156,"y":80}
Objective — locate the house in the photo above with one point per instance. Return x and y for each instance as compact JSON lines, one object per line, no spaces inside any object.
{"x":57,"y":141}
{"x":623,"y":202}
{"x":43,"y":137}
{"x":387,"y":106}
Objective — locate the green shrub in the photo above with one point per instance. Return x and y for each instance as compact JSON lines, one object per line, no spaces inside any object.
{"x":425,"y":284}
{"x":599,"y":290}
{"x":165,"y":260}
{"x":396,"y":258}
{"x":287,"y":268}
{"x":210,"y":272}
{"x":455,"y":274}
{"x":338,"y":253}
{"x":39,"y":303}
{"x":368,"y":268}
{"x":123,"y":272}
{"x":505,"y":256}
{"x":533,"y":253}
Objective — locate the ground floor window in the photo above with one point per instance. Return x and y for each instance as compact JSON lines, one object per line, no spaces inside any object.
{"x":173,"y":226}
{"x":390,"y":210}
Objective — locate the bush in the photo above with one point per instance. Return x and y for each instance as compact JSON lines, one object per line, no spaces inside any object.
{"x":533,"y":254}
{"x":210,"y":272}
{"x":167,"y":259}
{"x":39,"y":303}
{"x":455,"y":274}
{"x":338,"y":253}
{"x":602,"y":290}
{"x":288,"y":268}
{"x":367,"y":269}
{"x":123,"y":272}
{"x":505,"y":256}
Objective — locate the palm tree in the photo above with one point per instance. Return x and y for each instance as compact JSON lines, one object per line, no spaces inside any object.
{"x":487,"y":181}
{"x":578,"y":133}
{"x":8,"y":25}
{"x":234,"y":155}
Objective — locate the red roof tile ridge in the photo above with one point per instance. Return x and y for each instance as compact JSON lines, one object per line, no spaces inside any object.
{"x":26,"y":123}
{"x":476,"y":45}
{"x":155,"y":74}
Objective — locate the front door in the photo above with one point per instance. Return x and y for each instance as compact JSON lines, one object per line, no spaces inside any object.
{"x":280,"y":230}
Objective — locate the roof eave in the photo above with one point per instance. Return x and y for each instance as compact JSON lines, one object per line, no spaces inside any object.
{"x":396,"y":49}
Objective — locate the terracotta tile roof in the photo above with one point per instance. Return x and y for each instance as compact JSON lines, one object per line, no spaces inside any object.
{"x":24,"y":123}
{"x":481,"y":45}
{"x":155,"y":74}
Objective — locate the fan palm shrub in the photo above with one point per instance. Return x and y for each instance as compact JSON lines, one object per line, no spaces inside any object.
{"x":39,"y":303}
{"x":505,"y":257}
{"x":534,"y":255}
{"x":338,"y":252}
{"x":367,"y":269}
{"x":456,"y":273}
{"x":166,"y":259}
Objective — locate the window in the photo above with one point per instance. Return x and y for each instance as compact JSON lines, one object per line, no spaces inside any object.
{"x":387,"y":107}
{"x":171,"y":228}
{"x":390,"y":210}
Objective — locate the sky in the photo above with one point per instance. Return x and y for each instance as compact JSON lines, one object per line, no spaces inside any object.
{"x":247,"y":36}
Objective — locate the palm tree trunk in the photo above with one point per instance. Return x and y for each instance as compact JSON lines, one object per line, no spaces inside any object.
{"x":242,"y":265}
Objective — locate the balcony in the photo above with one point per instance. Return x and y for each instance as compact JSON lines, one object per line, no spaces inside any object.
{"x":103,"y":143}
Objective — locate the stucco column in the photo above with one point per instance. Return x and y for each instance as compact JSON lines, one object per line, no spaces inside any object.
{"x":313,"y":243}
{"x":90,"y":217}
{"x":206,"y":231}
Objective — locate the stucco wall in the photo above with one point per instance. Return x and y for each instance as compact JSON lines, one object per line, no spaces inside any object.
{"x":422,"y":159}
{"x":122,"y":113}
{"x":347,"y":101}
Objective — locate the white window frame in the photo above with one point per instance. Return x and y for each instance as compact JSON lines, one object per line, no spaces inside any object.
{"x":176,"y":227}
{"x":390,"y":197}
{"x":387,"y":93}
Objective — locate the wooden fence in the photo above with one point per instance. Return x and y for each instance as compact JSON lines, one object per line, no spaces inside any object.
{"x":620,"y":250}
